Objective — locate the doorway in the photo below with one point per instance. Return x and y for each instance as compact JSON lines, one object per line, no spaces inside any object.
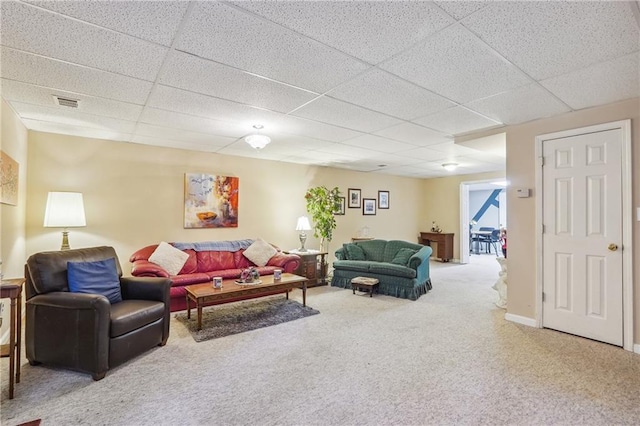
{"x":584,"y":215}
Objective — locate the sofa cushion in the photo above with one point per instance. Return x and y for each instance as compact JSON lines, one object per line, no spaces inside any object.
{"x":241,"y":261}
{"x":393,"y":246}
{"x":169,"y":258}
{"x":373,"y":249}
{"x":215,"y":260}
{"x":191,"y":265}
{"x":353,"y":252}
{"x":132,"y":314}
{"x":391,"y":269}
{"x":402,"y":256}
{"x":260,"y":252}
{"x":352,"y":265}
{"x":97,"y":277}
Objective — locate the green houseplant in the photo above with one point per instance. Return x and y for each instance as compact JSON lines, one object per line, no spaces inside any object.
{"x":322,"y":203}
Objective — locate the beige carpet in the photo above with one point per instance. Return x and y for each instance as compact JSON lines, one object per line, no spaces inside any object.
{"x":448,"y":358}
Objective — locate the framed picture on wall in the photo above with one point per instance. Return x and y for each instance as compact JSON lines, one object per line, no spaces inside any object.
{"x":341,"y":206}
{"x":369,"y":206}
{"x":383,"y":199}
{"x":355,"y":202}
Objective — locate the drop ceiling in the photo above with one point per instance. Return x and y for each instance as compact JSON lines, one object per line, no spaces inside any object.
{"x":382,"y":87}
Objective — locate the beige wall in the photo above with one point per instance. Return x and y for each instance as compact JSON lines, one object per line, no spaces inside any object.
{"x":442,"y":203}
{"x":134,"y":196}
{"x":521,"y":211}
{"x":13,"y":141}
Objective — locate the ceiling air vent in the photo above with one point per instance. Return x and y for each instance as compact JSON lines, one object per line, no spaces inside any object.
{"x":65,"y":102}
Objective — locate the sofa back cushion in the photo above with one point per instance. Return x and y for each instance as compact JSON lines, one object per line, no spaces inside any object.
{"x":353,"y":252}
{"x":373,"y":250}
{"x":191,"y":265}
{"x":214,"y":260}
{"x":241,"y":261}
{"x":393,"y":246}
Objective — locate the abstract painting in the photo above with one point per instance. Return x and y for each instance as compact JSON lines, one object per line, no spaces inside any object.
{"x":8,"y":180}
{"x":210,"y":201}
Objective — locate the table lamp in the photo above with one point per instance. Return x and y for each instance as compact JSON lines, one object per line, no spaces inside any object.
{"x":64,"y":210}
{"x":303,"y":225}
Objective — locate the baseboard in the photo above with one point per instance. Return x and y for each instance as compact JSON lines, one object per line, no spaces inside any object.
{"x":636,"y":348}
{"x":521,"y":320}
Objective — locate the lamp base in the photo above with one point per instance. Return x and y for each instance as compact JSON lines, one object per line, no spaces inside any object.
{"x":65,"y":241}
{"x":303,"y":239}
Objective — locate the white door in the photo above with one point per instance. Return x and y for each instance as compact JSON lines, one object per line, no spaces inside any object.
{"x":582,"y":235}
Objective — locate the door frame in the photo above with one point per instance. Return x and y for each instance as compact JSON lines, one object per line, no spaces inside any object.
{"x":627,"y":221}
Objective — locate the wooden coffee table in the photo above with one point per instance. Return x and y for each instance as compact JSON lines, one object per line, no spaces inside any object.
{"x":204,"y":294}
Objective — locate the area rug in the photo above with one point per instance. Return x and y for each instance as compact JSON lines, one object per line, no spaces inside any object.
{"x":224,"y":320}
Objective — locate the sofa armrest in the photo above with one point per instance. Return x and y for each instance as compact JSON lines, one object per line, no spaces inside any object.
{"x":144,"y":268}
{"x":340,"y":254}
{"x":420,"y":262}
{"x":288,"y":262}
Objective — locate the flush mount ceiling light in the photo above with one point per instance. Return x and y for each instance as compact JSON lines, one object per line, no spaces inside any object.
{"x":256,"y":140}
{"x":450,"y":166}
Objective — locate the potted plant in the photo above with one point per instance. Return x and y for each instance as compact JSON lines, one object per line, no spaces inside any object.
{"x":322,"y":203}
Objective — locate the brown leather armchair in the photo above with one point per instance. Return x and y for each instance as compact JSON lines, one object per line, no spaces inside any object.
{"x":85,"y":332}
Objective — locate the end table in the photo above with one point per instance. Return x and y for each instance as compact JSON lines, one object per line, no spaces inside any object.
{"x":12,"y":289}
{"x":309,"y":266}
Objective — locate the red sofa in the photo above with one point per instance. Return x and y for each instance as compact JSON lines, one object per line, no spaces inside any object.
{"x":202,"y":266}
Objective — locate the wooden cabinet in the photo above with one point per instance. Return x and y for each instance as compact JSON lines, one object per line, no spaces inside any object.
{"x":311,"y":267}
{"x":444,"y":243}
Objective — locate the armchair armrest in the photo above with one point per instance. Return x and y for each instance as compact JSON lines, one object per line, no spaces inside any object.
{"x":69,"y":330}
{"x":144,"y":268}
{"x":288,"y":262}
{"x":145,"y":288}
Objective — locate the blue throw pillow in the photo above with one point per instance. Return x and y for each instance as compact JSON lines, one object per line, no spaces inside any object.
{"x":98,"y":277}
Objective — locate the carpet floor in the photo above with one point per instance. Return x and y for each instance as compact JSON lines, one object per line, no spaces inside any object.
{"x":447,"y":358}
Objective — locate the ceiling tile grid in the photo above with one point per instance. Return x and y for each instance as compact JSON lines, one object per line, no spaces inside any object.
{"x":381,"y":87}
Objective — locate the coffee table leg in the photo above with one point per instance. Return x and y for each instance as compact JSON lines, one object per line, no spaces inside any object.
{"x":287,"y":294}
{"x":304,"y":294}
{"x":188,"y":307}
{"x":199,"y":314}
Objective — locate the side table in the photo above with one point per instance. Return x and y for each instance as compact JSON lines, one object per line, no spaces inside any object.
{"x":309,"y":266}
{"x":12,"y":289}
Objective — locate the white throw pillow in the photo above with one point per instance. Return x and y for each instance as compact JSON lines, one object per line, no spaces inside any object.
{"x":169,"y":258}
{"x":260,"y":252}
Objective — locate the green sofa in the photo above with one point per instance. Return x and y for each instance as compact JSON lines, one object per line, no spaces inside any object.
{"x":383,"y":260}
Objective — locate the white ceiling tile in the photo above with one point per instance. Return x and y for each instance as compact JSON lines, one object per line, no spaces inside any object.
{"x":452,"y":148}
{"x":180,"y":135}
{"x":381,"y":91}
{"x":461,"y":9}
{"x":608,"y":81}
{"x":456,"y":65}
{"x":38,"y":31}
{"x":546,"y":39}
{"x":60,"y":128}
{"x":332,"y":111}
{"x":150,"y":20}
{"x":177,"y":120}
{"x":519,"y":105}
{"x":253,"y":44}
{"x":385,"y":160}
{"x":369,"y":30}
{"x":172,"y":143}
{"x":41,"y":71}
{"x":313,"y":129}
{"x":69,"y":116}
{"x":347,"y":151}
{"x":426,"y":154}
{"x":413,"y":134}
{"x":200,"y":75}
{"x":378,"y":143}
{"x":28,"y":93}
{"x":456,"y":120}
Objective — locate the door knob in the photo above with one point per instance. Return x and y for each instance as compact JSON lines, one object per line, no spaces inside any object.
{"x":613,"y":247}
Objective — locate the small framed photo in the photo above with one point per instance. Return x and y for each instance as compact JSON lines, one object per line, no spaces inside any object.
{"x":341,"y":205}
{"x":369,"y":206}
{"x":383,"y":199}
{"x":355,"y":202}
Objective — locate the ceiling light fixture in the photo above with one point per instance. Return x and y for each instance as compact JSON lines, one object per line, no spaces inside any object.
{"x":450,"y":166}
{"x":257,"y":141}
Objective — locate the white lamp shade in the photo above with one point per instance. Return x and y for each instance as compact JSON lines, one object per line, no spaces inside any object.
{"x":64,"y":210}
{"x":258,"y":141}
{"x":303,"y":224}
